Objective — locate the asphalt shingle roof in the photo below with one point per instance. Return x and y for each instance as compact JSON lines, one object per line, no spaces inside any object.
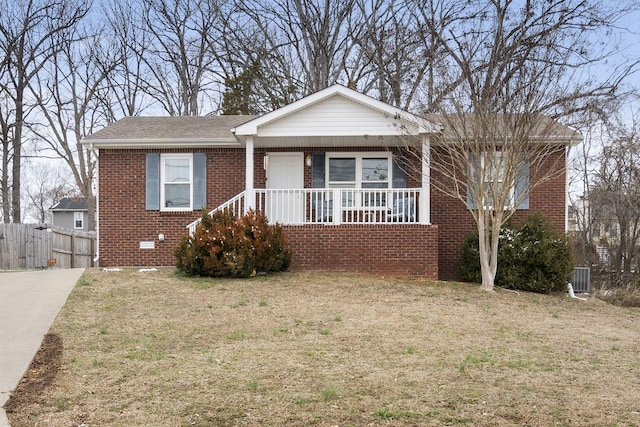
{"x":178,"y":128}
{"x":204,"y":128}
{"x":71,"y":204}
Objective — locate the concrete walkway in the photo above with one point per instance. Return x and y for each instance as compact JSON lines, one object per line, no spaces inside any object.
{"x":29,"y":302}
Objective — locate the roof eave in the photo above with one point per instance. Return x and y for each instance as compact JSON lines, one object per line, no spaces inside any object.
{"x":570,"y":141}
{"x":161,"y":143}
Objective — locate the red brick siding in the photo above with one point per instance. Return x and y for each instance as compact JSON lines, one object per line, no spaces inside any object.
{"x":407,"y":250}
{"x":124,"y":222}
{"x":123,"y":219}
{"x":455,"y":221}
{"x":394,"y":250}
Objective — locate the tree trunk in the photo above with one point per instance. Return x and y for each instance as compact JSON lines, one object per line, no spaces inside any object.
{"x":6,"y":207}
{"x":488,"y":275}
{"x":17,"y":155}
{"x":489,"y":222}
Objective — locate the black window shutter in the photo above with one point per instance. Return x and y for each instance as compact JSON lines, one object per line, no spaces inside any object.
{"x":317,"y":170}
{"x":199,"y":180}
{"x":522,"y":183}
{"x":153,"y":182}
{"x":399,"y":171}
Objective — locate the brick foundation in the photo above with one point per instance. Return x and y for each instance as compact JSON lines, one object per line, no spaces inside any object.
{"x":394,"y":250}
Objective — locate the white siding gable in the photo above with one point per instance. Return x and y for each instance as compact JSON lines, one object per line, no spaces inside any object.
{"x":333,"y":116}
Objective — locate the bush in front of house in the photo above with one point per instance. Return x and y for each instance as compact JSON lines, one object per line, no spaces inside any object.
{"x":532,"y":257}
{"x":226,"y":246}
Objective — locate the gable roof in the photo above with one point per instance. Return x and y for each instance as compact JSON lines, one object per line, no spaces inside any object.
{"x":406,"y":122}
{"x":71,"y":204}
{"x":167,"y":132}
{"x":333,"y":116}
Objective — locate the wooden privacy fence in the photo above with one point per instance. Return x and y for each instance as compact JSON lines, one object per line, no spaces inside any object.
{"x":39,"y":245}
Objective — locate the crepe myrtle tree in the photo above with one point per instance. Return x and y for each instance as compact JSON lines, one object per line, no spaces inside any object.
{"x":491,"y":162}
{"x":514,"y":71}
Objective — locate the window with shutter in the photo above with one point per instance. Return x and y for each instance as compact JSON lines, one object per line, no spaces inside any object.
{"x":176,"y":182}
{"x":492,"y":167}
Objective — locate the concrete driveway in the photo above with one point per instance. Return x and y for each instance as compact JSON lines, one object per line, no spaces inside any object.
{"x":29,"y":302}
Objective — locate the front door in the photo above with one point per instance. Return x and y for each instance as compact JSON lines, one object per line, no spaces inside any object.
{"x":285,"y":174}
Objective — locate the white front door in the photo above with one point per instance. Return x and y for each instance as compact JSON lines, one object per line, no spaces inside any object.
{"x":285,"y":174}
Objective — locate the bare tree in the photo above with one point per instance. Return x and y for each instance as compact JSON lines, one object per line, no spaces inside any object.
{"x":126,"y":43}
{"x":254,"y":60}
{"x":46,"y":186}
{"x":393,"y":58}
{"x":583,"y":165}
{"x":615,"y":196}
{"x":308,"y":41}
{"x":513,"y":68}
{"x":69,"y":93}
{"x":437,"y":20}
{"x":28,"y":32}
{"x":271,"y":53}
{"x":317,"y":31}
{"x":584,"y":216}
{"x":7,"y":123}
{"x":177,"y":55}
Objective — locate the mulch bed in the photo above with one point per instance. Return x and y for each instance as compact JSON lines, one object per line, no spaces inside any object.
{"x":39,"y":376}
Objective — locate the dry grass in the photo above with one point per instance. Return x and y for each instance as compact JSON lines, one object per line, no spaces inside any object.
{"x":623,"y":296}
{"x":154,"y":349}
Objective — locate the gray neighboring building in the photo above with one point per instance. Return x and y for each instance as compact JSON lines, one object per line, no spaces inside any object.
{"x":71,"y":213}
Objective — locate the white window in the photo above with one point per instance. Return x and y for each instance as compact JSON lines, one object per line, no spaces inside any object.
{"x":78,"y":220}
{"x":360,"y":171}
{"x":176,"y":178}
{"x":492,"y":165}
{"x":486,"y":173}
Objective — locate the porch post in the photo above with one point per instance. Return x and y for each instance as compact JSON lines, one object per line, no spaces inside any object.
{"x":425,"y":196}
{"x":249,"y":199}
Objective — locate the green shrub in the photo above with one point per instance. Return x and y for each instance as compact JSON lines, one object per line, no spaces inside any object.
{"x":531,"y":257}
{"x":469,"y":267}
{"x":223,"y":246}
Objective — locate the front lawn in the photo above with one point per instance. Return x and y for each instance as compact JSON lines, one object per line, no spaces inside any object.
{"x":299,"y":349}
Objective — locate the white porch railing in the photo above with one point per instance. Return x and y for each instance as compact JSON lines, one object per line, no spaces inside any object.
{"x":235,"y":205}
{"x":330,"y":206}
{"x":338,"y":205}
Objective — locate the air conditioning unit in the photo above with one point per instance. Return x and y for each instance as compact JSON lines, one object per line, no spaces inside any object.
{"x":581,"y":280}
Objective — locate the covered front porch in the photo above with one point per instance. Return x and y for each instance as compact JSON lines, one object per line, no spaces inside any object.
{"x":336,"y":157}
{"x":347,"y":177}
{"x":318,"y":206}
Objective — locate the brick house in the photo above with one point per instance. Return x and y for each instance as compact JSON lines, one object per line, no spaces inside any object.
{"x":332,"y":168}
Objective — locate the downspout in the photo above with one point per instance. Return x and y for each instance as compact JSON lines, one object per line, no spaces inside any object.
{"x":96,"y":152}
{"x":572,"y":294}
